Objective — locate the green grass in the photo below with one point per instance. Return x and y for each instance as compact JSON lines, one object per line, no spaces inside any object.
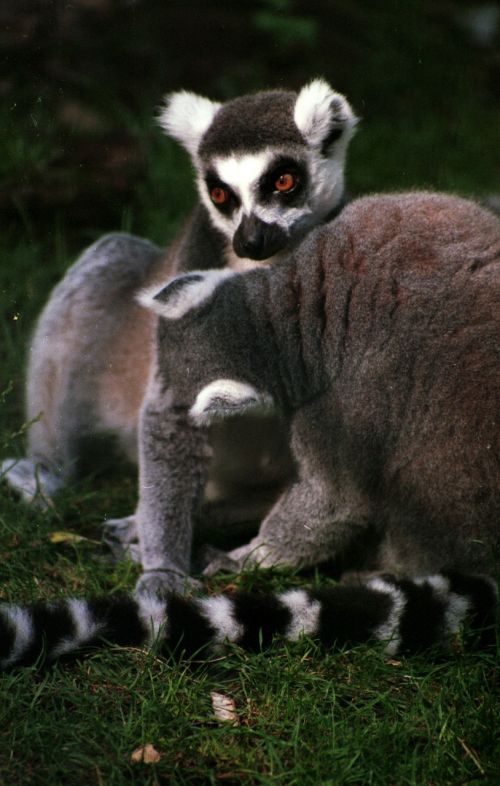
{"x":306,"y":716}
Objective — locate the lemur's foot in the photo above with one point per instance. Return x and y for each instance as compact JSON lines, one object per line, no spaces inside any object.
{"x":120,"y":535}
{"x":160,"y":583}
{"x":256,"y":553}
{"x":218,"y":561}
{"x":34,"y":482}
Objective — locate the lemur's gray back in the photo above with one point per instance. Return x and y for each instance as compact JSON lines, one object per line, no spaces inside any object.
{"x":389,"y":272}
{"x":379,"y":340}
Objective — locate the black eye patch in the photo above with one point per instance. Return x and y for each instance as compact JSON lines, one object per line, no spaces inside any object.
{"x":273,"y":183}
{"x":222,"y":196}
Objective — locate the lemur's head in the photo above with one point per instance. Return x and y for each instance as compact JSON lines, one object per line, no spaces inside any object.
{"x":269,"y":166}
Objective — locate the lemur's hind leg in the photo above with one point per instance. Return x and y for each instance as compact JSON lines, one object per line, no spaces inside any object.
{"x":308,"y":525}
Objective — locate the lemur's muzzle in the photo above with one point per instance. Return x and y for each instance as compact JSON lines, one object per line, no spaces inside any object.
{"x":258,"y":240}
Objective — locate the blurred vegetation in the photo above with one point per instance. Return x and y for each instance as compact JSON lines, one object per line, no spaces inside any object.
{"x":83,"y":81}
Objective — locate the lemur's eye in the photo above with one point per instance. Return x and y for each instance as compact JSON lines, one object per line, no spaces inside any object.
{"x":285,"y":183}
{"x":219,"y":195}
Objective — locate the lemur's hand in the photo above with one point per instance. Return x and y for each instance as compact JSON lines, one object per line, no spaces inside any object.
{"x":120,"y":535}
{"x":217,"y":561}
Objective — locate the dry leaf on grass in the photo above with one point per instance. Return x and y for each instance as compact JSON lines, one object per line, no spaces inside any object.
{"x":146,"y":754}
{"x":68,"y":537}
{"x":224,"y":708}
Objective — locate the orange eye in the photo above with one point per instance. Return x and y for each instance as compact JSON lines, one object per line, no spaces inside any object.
{"x":285,"y":182}
{"x":218,"y":195}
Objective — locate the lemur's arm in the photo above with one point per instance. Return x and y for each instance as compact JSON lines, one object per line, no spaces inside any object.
{"x":173,"y":458}
{"x":317,"y":517}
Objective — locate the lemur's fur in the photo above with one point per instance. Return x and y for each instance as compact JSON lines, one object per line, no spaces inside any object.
{"x":377,"y":344}
{"x":403,"y":615}
{"x":269,"y":167}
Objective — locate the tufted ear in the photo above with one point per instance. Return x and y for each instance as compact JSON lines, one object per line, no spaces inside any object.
{"x":186,"y":116}
{"x":323,"y":116}
{"x":224,"y":398}
{"x":183,"y":293}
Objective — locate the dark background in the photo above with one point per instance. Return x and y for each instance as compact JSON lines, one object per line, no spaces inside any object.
{"x":82,"y":80}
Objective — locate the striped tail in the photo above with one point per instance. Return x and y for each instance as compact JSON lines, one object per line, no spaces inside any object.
{"x":404,"y":615}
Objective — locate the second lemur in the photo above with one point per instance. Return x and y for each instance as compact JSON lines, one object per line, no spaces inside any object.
{"x":269,"y":167}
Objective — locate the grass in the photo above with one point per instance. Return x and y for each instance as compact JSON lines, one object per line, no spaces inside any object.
{"x":305,"y":716}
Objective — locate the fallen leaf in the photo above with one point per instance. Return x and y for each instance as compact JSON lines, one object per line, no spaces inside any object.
{"x":224,"y":708}
{"x":146,"y":754}
{"x":68,"y":537}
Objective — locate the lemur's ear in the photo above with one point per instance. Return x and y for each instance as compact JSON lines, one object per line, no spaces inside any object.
{"x":186,"y":116}
{"x":323,"y":116}
{"x":224,"y":398}
{"x":183,"y":293}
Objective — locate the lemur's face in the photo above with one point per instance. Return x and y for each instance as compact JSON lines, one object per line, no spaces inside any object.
{"x":269,"y":166}
{"x":262,"y":201}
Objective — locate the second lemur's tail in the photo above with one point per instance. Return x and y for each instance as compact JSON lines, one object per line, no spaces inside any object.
{"x":404,"y":615}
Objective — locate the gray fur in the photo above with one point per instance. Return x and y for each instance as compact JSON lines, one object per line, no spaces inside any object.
{"x":378,"y":342}
{"x":252,"y":123}
{"x":92,"y":351}
{"x":68,"y":365}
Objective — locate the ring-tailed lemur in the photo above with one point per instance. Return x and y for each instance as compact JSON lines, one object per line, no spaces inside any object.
{"x":377,"y":344}
{"x":405,"y":616}
{"x":269,"y":167}
{"x":377,"y":341}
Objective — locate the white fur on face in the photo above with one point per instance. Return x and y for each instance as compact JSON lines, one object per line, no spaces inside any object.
{"x":242,"y":174}
{"x":324,"y":189}
{"x":326,"y":183}
{"x":186,"y":117}
{"x":226,"y":397}
{"x":199,"y":286}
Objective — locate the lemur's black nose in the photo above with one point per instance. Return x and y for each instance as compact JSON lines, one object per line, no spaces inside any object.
{"x":257,"y":239}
